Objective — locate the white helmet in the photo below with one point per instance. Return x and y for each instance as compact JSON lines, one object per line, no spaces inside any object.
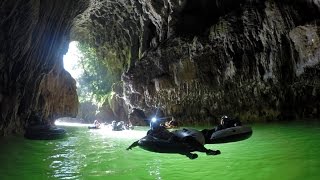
{"x":224,"y":117}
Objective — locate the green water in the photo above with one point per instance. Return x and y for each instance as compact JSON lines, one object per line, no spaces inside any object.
{"x":275,"y":151}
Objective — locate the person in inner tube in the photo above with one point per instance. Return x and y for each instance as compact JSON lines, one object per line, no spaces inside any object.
{"x":158,"y":130}
{"x":96,"y":123}
{"x":223,"y":123}
{"x":120,"y":126}
{"x":226,"y":122}
{"x":114,"y":125}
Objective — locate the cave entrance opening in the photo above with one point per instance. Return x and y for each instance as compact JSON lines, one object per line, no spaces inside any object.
{"x":71,"y":60}
{"x":93,"y":76}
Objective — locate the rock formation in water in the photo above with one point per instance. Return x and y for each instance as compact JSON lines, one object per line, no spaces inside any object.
{"x":199,"y":59}
{"x":193,"y":60}
{"x":34,"y":36}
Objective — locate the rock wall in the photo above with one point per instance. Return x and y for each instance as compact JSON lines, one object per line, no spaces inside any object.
{"x":258,"y":61}
{"x":34,"y":36}
{"x":198,"y":59}
{"x":191,"y":59}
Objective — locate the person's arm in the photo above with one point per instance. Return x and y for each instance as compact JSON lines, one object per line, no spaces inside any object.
{"x":134,"y":144}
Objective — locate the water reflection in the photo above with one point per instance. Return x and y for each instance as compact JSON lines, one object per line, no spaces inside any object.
{"x":154,"y":169}
{"x":287,"y":151}
{"x":125,"y":134}
{"x":67,"y":160}
{"x":86,"y":153}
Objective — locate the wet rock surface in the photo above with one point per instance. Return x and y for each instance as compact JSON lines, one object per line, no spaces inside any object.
{"x":258,"y":60}
{"x":193,"y":60}
{"x":34,"y":36}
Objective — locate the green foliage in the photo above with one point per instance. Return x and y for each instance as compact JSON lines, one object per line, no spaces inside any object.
{"x":96,"y":80}
{"x":108,"y":98}
{"x":111,"y":61}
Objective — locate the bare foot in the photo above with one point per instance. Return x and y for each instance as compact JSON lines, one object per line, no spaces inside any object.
{"x":192,"y":156}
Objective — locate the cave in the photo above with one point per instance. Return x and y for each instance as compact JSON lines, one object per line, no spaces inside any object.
{"x":237,"y":58}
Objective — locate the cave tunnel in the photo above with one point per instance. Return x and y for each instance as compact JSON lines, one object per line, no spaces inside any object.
{"x":139,"y":43}
{"x":199,"y":68}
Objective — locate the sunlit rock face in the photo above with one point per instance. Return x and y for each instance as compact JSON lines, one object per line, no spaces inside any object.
{"x":115,"y":108}
{"x":34,"y":35}
{"x":58,"y":88}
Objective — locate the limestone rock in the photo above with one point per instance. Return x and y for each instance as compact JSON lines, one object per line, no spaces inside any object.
{"x":34,"y":36}
{"x":193,"y":60}
{"x":252,"y":59}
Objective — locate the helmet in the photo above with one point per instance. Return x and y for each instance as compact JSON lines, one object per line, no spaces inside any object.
{"x":224,"y":117}
{"x":154,"y":123}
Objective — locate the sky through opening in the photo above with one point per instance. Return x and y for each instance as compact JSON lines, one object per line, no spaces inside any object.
{"x":71,"y":60}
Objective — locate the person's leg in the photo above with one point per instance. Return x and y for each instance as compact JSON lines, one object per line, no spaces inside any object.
{"x":207,"y":134}
{"x":199,"y":147}
{"x":192,"y":155}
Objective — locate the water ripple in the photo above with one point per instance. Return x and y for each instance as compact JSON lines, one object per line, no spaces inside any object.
{"x":273,"y":152}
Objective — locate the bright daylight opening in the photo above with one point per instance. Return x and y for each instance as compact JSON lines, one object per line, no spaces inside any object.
{"x":71,"y":60}
{"x":105,"y":130}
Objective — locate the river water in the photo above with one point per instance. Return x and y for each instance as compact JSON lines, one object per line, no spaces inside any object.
{"x":275,"y":151}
